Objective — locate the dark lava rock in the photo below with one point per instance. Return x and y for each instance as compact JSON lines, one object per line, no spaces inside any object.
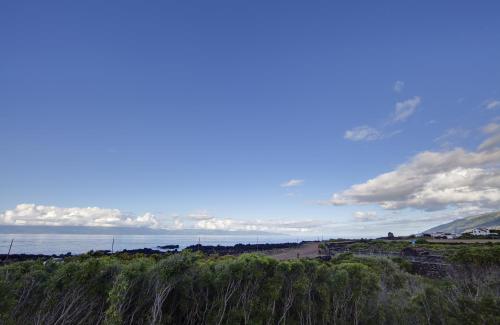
{"x":168,"y":247}
{"x":239,"y":248}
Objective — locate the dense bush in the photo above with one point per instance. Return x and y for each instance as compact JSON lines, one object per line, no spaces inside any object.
{"x":484,"y":255}
{"x":189,"y":288}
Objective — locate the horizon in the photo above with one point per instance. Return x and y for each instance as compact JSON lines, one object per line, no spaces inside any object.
{"x":294,"y":118}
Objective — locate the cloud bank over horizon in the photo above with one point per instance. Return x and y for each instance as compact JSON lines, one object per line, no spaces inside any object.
{"x":41,"y":215}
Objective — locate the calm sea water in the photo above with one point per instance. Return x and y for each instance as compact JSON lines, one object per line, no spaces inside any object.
{"x":77,"y":244}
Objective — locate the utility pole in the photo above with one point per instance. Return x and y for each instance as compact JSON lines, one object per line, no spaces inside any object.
{"x":10,"y":247}
{"x":113,"y":245}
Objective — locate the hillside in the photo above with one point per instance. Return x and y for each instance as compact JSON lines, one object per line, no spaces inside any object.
{"x":484,"y":220}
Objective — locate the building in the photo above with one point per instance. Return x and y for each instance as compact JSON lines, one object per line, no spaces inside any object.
{"x":443,"y":235}
{"x":480,"y":232}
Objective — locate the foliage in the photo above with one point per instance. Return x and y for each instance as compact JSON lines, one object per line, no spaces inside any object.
{"x":484,"y":255}
{"x":189,"y":288}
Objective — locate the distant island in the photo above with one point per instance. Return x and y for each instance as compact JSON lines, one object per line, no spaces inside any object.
{"x":13,"y":229}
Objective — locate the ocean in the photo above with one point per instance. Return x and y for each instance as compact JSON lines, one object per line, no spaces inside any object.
{"x":78,"y":244}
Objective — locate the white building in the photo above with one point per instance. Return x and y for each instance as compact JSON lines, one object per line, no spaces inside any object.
{"x":480,"y":231}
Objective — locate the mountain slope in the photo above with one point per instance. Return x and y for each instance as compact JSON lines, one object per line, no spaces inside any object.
{"x":460,"y":225}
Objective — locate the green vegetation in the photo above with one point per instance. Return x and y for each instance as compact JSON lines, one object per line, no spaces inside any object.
{"x":486,"y":255}
{"x":379,"y":245}
{"x":470,"y":253}
{"x":189,"y":288}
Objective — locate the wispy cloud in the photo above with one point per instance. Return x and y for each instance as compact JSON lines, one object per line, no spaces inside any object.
{"x":451,"y":136}
{"x":363,"y":133}
{"x":292,"y":183}
{"x":491,"y":128}
{"x":405,"y":109}
{"x":199,"y":215}
{"x":402,"y":111}
{"x":491,"y":103}
{"x":398,"y":86}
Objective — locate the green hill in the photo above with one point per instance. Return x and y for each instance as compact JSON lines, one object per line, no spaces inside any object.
{"x":484,"y":220}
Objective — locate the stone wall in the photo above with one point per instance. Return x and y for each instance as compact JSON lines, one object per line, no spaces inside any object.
{"x":431,"y":270}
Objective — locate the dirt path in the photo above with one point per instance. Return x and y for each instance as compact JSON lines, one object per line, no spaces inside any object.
{"x":306,"y":250}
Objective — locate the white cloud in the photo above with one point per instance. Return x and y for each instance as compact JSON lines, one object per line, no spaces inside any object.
{"x":434,"y":180}
{"x":491,"y":103}
{"x":31,"y":214}
{"x":398,"y":86}
{"x":292,"y":183}
{"x":365,"y":216}
{"x":281,"y":226}
{"x":363,"y":133}
{"x":405,"y":109}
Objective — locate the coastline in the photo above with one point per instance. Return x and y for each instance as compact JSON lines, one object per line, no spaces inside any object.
{"x":286,"y":250}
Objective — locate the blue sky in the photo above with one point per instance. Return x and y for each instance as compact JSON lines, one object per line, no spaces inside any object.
{"x":195,"y":114}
